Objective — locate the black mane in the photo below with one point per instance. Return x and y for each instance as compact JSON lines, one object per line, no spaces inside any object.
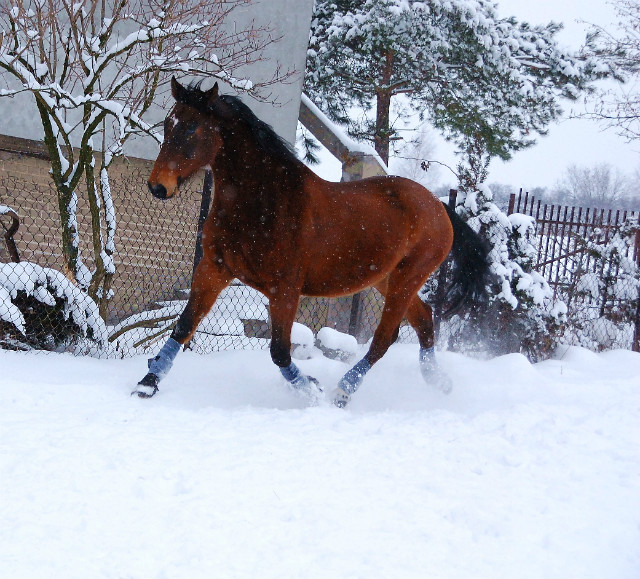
{"x":234,"y":109}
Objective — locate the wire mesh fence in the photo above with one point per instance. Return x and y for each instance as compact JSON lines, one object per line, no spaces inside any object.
{"x":156,"y":247}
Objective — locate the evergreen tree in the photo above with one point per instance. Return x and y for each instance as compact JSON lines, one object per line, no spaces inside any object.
{"x":473,"y":75}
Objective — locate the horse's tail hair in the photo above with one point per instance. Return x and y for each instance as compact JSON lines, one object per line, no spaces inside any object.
{"x":471,"y":268}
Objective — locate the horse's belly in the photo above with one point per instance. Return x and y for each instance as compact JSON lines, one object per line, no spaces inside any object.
{"x":339,"y":277}
{"x":335,"y":288}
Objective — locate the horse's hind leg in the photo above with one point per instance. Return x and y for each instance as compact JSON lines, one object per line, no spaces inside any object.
{"x":386,"y":333}
{"x":400,"y":289}
{"x":208,"y":281}
{"x":420,"y":316}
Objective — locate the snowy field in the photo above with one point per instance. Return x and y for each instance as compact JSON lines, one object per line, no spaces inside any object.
{"x":523,"y":471}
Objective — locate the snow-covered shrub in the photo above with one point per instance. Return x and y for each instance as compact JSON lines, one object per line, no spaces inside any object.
{"x":41,"y":309}
{"x":522,"y":315}
{"x":605,"y":289}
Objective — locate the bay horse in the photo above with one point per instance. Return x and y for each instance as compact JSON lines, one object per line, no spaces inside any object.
{"x":281,"y":229}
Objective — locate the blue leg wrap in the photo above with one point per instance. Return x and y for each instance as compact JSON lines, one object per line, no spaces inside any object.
{"x":428,"y":359}
{"x":161,"y":364}
{"x":293,"y":375}
{"x":351,"y":381}
{"x":432,"y":373}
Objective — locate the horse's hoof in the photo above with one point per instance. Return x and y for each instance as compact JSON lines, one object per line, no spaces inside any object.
{"x":315,"y":383}
{"x":438,"y":380}
{"x":340,"y":398}
{"x":309,"y":390}
{"x":303,"y":382}
{"x":147,"y":387}
{"x":444,"y":384}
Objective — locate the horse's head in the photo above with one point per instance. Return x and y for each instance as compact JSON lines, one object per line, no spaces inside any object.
{"x":191,"y":139}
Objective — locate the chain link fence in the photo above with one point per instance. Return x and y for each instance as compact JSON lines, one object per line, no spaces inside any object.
{"x":154,"y":258}
{"x":155,"y":254}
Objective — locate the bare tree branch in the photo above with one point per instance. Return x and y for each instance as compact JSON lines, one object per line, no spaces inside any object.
{"x":97,"y":68}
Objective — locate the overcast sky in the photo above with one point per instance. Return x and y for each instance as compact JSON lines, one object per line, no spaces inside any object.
{"x":571,"y":141}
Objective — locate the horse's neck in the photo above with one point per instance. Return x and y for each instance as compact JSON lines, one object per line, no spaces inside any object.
{"x":255,"y":178}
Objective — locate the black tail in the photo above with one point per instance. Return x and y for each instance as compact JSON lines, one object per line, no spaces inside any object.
{"x":470,"y":272}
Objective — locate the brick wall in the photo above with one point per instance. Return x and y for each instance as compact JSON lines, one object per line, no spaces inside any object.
{"x":154,"y":240}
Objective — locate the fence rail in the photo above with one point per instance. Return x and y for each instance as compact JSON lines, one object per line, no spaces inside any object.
{"x":559,"y":228}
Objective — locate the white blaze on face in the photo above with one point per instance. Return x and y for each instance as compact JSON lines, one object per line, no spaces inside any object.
{"x":173,"y":120}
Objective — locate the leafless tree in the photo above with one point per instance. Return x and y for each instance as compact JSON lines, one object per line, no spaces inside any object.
{"x":598,"y":186}
{"x":634,"y":189}
{"x":96,"y":70}
{"x":619,"y":108}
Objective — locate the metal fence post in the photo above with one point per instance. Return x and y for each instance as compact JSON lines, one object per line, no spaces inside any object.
{"x":9,"y":233}
{"x":636,"y":327}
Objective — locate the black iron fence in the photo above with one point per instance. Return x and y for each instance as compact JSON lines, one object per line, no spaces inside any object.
{"x":590,"y":257}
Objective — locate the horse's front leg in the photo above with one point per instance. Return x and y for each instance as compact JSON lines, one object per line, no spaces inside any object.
{"x":283,"y":307}
{"x":209,"y":280}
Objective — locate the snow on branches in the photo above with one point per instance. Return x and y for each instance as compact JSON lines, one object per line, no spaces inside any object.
{"x":522,"y":314}
{"x":472,"y":73}
{"x":96,"y":71}
{"x":47,"y":310}
{"x":606,"y":286}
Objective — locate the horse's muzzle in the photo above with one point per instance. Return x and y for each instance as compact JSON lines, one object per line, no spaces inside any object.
{"x":159,"y":191}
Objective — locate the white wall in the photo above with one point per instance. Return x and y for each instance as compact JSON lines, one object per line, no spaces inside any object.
{"x":289,"y":18}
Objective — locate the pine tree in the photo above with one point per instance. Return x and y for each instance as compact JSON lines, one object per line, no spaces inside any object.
{"x":473,"y":75}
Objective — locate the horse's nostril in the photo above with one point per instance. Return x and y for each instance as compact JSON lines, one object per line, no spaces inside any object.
{"x":158,"y":190}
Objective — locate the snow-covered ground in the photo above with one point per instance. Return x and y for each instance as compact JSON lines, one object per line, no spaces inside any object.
{"x":523,"y":471}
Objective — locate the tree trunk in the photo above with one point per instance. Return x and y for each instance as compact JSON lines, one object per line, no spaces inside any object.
{"x":95,"y":287}
{"x":383,"y":105}
{"x":108,"y":245}
{"x":65,"y":189}
{"x":69,"y":231}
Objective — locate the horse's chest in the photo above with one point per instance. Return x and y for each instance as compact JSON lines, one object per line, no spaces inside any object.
{"x":252,"y":237}
{"x":249,"y":253}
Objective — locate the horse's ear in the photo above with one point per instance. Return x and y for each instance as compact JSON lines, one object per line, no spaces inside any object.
{"x":212,"y":94}
{"x":176,"y":88}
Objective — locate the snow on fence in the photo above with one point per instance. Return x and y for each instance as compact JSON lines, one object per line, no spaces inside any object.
{"x":590,"y":257}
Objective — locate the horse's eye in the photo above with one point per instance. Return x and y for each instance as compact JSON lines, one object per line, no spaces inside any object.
{"x":190,"y":128}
